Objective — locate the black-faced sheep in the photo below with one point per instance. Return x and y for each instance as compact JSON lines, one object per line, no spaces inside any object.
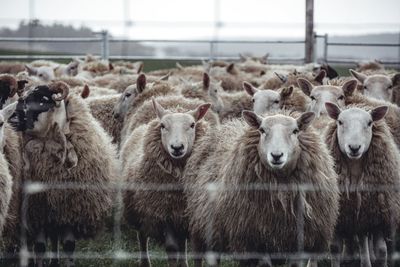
{"x":63,"y":144}
{"x":166,"y":145}
{"x":228,"y":210}
{"x":367,"y":162}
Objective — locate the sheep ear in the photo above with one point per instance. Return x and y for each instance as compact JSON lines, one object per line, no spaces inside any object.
{"x":31,"y":70}
{"x":305,"y":120}
{"x":264,"y":59}
{"x":286,"y":92}
{"x":305,"y":86}
{"x":252,"y":119}
{"x":349,"y":87}
{"x":8,"y":111}
{"x":242,"y":57}
{"x":200,"y":111}
{"x":230,"y":68}
{"x":333,"y":110}
{"x":331,"y":72}
{"x":379,"y":112}
{"x":140,"y":67}
{"x":281,"y":77}
{"x":250,"y":89}
{"x":141,"y":83}
{"x":179,"y":66}
{"x":85,"y":92}
{"x":165,"y":77}
{"x":206,"y":81}
{"x":320,"y":76}
{"x":262,"y":73}
{"x":160,"y":111}
{"x":110,"y":66}
{"x":359,"y":76}
{"x":396,"y":79}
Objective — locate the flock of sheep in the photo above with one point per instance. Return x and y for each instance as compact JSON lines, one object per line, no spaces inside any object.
{"x":270,"y":164}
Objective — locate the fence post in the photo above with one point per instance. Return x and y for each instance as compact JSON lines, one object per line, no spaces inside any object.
{"x":104,"y":45}
{"x":309,"y":42}
{"x":211,"y":56}
{"x":326,"y":48}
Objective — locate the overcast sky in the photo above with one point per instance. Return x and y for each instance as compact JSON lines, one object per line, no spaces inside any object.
{"x":183,"y":19}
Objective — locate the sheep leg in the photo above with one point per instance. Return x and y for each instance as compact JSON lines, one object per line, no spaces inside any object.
{"x":336,"y":251}
{"x":197,"y":248}
{"x":54,"y":262}
{"x":171,"y":247}
{"x":365,"y":260}
{"x":69,"y":248}
{"x":380,"y":250}
{"x":312,"y":263}
{"x":143,"y":244}
{"x":40,"y":248}
{"x":182,"y":262}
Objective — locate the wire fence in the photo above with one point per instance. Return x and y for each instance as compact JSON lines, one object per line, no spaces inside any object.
{"x":118,"y":253}
{"x":105,"y":42}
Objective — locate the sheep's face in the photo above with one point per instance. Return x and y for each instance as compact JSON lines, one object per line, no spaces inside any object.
{"x":8,"y":91}
{"x":279,"y":147}
{"x":44,"y":73}
{"x":320,"y":95}
{"x":39,"y":110}
{"x":376,"y":86}
{"x":72,"y":68}
{"x":263,"y":100}
{"x":128,"y":97}
{"x":178,"y":130}
{"x":354,"y":128}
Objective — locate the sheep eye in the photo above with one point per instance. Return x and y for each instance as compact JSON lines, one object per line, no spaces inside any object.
{"x":1,"y":124}
{"x":340,"y":122}
{"x":192,"y":125}
{"x":162,"y":126}
{"x":341,"y":97}
{"x":276,"y":101}
{"x":365,"y":88}
{"x":261,"y":130}
{"x":312,"y":98}
{"x":369,"y":123}
{"x":128,"y":95}
{"x":252,"y":100}
{"x":295,"y":131}
{"x":40,"y":75}
{"x":390,"y":87}
{"x":215,"y":91}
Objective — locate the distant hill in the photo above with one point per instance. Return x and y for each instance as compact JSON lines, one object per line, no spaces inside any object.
{"x":36,"y":29}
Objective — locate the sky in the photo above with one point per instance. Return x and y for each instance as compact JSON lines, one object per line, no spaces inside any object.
{"x":191,"y":19}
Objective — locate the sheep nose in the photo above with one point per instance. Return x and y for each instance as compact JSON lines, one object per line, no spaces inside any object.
{"x":178,"y":148}
{"x":354,"y":148}
{"x":116,"y":115}
{"x":276,"y":156}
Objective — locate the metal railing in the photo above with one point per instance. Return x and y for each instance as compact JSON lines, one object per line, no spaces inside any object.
{"x":105,"y":41}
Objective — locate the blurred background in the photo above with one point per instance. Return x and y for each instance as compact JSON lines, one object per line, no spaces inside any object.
{"x":344,"y":31}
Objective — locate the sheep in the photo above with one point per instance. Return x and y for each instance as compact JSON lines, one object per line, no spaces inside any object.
{"x":44,"y":73}
{"x":71,"y":69}
{"x":207,"y":90}
{"x":269,"y":100}
{"x":331,"y":73}
{"x":11,"y":67}
{"x":10,"y":88}
{"x":228,"y":214}
{"x":6,"y":179}
{"x":365,"y":157}
{"x":144,"y":114}
{"x":62,"y":142}
{"x":94,"y":91}
{"x":291,"y":79}
{"x":370,"y":67}
{"x":134,"y":95}
{"x":102,"y":108}
{"x":378,"y":86}
{"x":10,"y":147}
{"x":167,"y":143}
